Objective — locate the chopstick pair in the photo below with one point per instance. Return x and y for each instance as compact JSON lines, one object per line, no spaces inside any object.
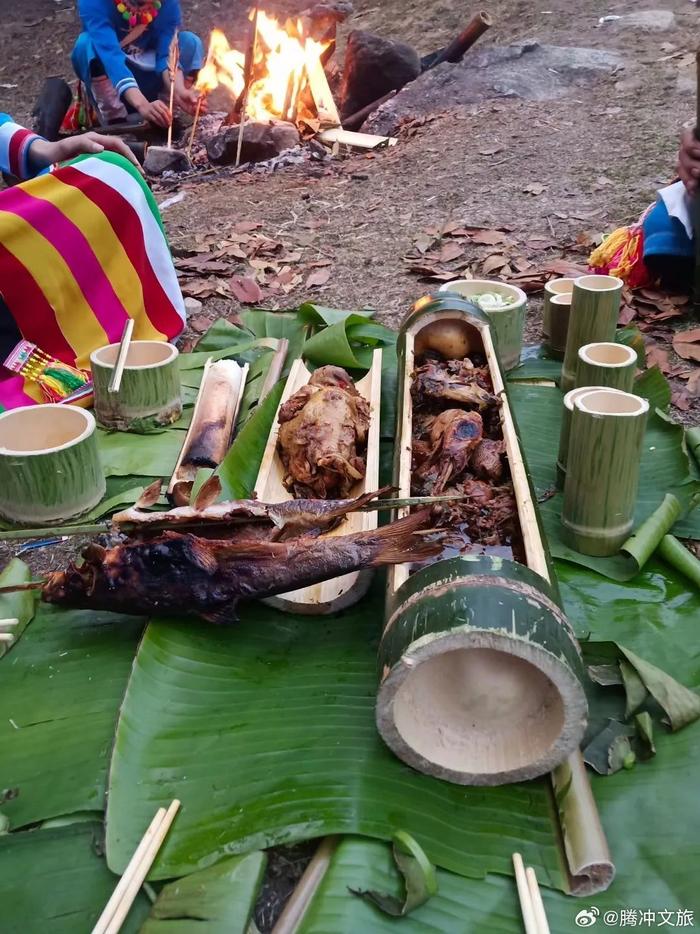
{"x":531,"y":904}
{"x":119,"y":905}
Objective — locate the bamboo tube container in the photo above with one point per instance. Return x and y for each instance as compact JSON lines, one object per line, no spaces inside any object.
{"x":565,"y":430}
{"x":559,"y":317}
{"x":606,"y":364}
{"x":602,"y":476}
{"x":507,"y":324}
{"x":554,"y":287}
{"x":149,"y":396}
{"x":594,"y":312}
{"x":50,"y":468}
{"x":480,"y":671}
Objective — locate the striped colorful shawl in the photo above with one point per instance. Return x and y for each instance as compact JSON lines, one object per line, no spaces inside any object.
{"x":81,"y":250}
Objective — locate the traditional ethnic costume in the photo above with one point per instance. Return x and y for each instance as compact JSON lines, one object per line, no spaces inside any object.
{"x":660,"y":246}
{"x":125,"y":45}
{"x":82,"y":248}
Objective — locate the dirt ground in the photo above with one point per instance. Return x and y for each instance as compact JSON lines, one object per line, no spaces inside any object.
{"x":552,"y":172}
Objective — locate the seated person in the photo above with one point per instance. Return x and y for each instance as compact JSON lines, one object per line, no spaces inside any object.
{"x":82,"y":249}
{"x":122,"y":58}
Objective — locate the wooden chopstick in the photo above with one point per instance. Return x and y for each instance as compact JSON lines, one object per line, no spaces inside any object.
{"x":526,"y":906}
{"x":116,"y":380}
{"x":119,"y":905}
{"x":537,"y":903}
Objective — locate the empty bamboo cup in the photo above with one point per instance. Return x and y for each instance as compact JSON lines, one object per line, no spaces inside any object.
{"x":606,"y":364}
{"x":552,"y":288}
{"x":559,"y":316}
{"x":50,"y":468}
{"x":568,"y":403}
{"x":595,"y":308}
{"x":602,"y":473}
{"x":149,"y":396}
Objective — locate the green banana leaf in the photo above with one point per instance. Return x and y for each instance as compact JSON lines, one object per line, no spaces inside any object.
{"x":278,"y":324}
{"x":265,"y":731}
{"x":239,"y":469}
{"x":19,"y":606}
{"x":679,"y":557}
{"x":665,"y":468}
{"x":536,"y":363}
{"x":62,"y":685}
{"x":54,"y":882}
{"x":219,"y":900}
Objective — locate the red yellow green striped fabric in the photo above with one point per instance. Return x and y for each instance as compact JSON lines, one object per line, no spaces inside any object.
{"x":81,"y":250}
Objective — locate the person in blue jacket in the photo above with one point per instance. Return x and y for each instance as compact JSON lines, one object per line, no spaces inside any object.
{"x":122,"y":55}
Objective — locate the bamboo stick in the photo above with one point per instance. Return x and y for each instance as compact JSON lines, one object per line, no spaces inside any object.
{"x":247,"y":77}
{"x":194,"y":126}
{"x":456,"y":50}
{"x":118,"y":371}
{"x":537,"y":903}
{"x":594,"y":311}
{"x":568,"y":403}
{"x":526,"y":906}
{"x":274,"y":373}
{"x":559,"y":317}
{"x":172,"y":73}
{"x":606,"y":364}
{"x":562,"y":286}
{"x":123,"y":883}
{"x":7,"y":637}
{"x":141,"y":870}
{"x":295,"y":909}
{"x":602,"y":474}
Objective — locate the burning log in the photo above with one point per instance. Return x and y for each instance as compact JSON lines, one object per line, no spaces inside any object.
{"x":456,"y":50}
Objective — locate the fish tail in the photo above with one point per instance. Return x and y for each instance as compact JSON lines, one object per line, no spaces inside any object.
{"x":398,"y":542}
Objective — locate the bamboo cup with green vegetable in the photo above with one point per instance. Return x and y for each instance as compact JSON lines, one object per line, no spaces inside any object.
{"x":602,"y":471}
{"x":50,"y":468}
{"x":606,"y":364}
{"x":568,"y":403}
{"x":559,"y":317}
{"x":564,"y":286}
{"x":595,"y":307}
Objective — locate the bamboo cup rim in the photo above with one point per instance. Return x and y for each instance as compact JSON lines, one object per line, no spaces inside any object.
{"x":142,"y":355}
{"x":562,"y":298}
{"x":595,"y":283}
{"x":608,"y":354}
{"x":61,"y":426}
{"x":468,"y":288}
{"x":605,"y":402}
{"x":562,"y":286}
{"x":573,"y":394}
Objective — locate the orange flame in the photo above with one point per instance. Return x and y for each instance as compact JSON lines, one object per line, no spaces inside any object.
{"x":280,"y":72}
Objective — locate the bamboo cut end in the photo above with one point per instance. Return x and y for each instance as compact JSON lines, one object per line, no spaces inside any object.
{"x":141,"y":355}
{"x":607,"y":354}
{"x":594,"y":283}
{"x":612,"y":402}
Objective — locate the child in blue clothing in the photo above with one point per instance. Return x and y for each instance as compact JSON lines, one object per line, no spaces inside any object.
{"x":122,"y":55}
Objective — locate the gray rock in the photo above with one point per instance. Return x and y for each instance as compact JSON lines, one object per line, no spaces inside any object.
{"x":528,"y":70}
{"x":193,"y":306}
{"x":373,"y":67}
{"x":648,"y":20}
{"x":160,"y":159}
{"x":261,"y":141}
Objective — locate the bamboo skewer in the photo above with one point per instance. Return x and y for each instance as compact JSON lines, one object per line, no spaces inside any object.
{"x":119,"y":905}
{"x":194,"y":126}
{"x":7,"y":637}
{"x":537,"y":903}
{"x":172,"y":71}
{"x":295,"y":909}
{"x":118,"y":372}
{"x":526,"y":906}
{"x":249,"y":64}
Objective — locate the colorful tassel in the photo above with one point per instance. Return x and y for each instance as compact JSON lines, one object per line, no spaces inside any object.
{"x":622,"y":254}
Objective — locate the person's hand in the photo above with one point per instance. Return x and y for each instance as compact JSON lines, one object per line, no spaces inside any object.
{"x":187,"y":98}
{"x":689,"y":161}
{"x":44,"y":153}
{"x":156,"y":112}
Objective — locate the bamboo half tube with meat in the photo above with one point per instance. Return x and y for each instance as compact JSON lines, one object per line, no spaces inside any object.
{"x":602,"y":476}
{"x":595,"y":307}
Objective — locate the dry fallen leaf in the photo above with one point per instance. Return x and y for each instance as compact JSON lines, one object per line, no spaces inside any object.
{"x":493,"y":263}
{"x":489,"y":237}
{"x":491,"y":151}
{"x":245,"y":289}
{"x":534,"y":188}
{"x":200,"y":323}
{"x":450,"y":251}
{"x":694,"y":383}
{"x":680,"y":400}
{"x":656,"y":356}
{"x":318,"y":277}
{"x":687,"y":344}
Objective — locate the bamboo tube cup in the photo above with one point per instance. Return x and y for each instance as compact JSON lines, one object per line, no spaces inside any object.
{"x":594,"y":312}
{"x":606,"y":364}
{"x":565,"y":430}
{"x":50,"y":467}
{"x":149,"y":395}
{"x":559,"y":317}
{"x":564,"y":286}
{"x":602,"y":476}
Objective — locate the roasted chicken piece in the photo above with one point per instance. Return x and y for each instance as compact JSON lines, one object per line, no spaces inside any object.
{"x":323,"y":436}
{"x":455,"y":381}
{"x":454,"y":434}
{"x":487,"y":460}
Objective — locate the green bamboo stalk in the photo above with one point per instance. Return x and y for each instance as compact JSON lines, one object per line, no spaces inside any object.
{"x":678,"y":556}
{"x":149,"y":396}
{"x":67,"y":531}
{"x":552,"y":288}
{"x":564,"y":432}
{"x":559,"y":318}
{"x":602,"y":475}
{"x":692,"y":440}
{"x":606,"y":364}
{"x":594,"y":311}
{"x":50,"y":468}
